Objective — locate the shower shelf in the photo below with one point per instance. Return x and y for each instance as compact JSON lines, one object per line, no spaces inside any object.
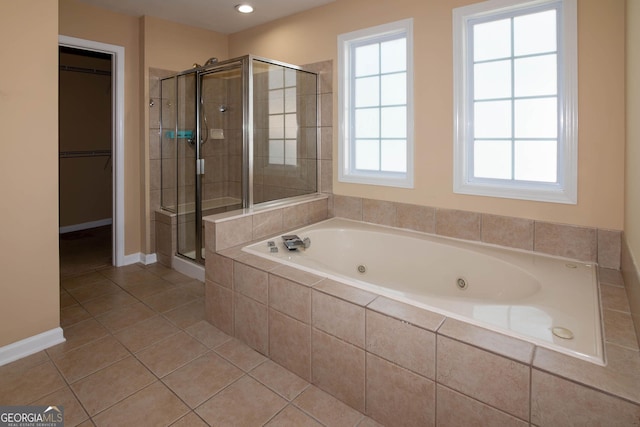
{"x":182,"y":134}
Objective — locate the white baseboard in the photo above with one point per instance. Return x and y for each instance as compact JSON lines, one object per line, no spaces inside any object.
{"x":188,"y":268}
{"x":31,"y":345}
{"x":139,"y":257}
{"x":86,"y":225}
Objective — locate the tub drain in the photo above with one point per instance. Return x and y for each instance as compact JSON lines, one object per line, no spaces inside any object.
{"x":362,"y":269}
{"x":462,"y":283}
{"x":561,"y":332}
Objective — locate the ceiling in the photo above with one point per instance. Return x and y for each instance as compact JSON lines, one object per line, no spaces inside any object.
{"x":216,"y":15}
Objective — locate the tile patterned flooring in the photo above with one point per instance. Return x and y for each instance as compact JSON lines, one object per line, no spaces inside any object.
{"x":139,"y":353}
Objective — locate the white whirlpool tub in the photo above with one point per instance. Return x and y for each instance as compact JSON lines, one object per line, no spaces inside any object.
{"x":549,"y":301}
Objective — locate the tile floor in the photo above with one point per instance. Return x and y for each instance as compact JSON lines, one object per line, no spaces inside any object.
{"x":139,"y":352}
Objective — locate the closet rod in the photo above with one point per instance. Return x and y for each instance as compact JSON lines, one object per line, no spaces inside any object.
{"x":84,"y":70}
{"x":90,"y":153}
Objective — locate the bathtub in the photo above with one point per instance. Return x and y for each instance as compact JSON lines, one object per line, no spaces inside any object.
{"x":549,"y":301}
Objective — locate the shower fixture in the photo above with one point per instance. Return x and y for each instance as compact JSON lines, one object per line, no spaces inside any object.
{"x":211,"y":61}
{"x":222,"y":108}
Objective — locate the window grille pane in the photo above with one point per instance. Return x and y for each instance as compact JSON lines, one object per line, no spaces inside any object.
{"x":535,"y":33}
{"x":367,"y":123}
{"x":276,"y":78}
{"x":394,"y":156}
{"x":492,"y":80}
{"x":276,"y":152}
{"x":290,"y":77}
{"x":492,"y":40}
{"x":393,"y":56}
{"x":394,"y":89}
{"x":536,"y":118}
{"x":367,"y":92}
{"x":394,"y":122}
{"x":290,"y":152}
{"x":492,"y":159}
{"x":368,"y":154}
{"x":276,"y":102}
{"x":536,"y":76}
{"x":290,"y":100}
{"x":536,"y":161}
{"x":492,"y":119}
{"x":276,"y":127}
{"x":367,"y":60}
{"x":290,"y":126}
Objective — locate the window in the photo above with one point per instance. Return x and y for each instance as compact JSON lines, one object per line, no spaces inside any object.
{"x":283,"y":120}
{"x":376,"y":105}
{"x":515,"y":88}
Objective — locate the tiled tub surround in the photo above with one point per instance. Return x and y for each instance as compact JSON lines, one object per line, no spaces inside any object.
{"x":404,"y":365}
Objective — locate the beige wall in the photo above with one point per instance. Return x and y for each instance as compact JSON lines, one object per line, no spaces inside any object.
{"x":312,"y":36}
{"x":87,"y":22}
{"x":632,"y":193}
{"x":28,"y":167}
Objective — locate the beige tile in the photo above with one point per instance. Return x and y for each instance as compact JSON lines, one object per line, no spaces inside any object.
{"x":169,"y":299}
{"x":267,"y":224}
{"x":240,"y":354}
{"x":455,"y":409}
{"x":187,"y":314}
{"x":153,"y":406}
{"x":345,"y":292}
{"x":176,"y":277}
{"x":339,"y":318}
{"x":458,"y":224}
{"x":251,"y":323}
{"x":369,"y":422}
{"x":338,"y":368}
{"x":90,"y":358}
{"x":148,"y":287}
{"x":245,"y":403}
{"x":610,"y":277}
{"x":396,"y":396}
{"x":326,"y":408}
{"x":507,"y":231}
{"x":494,"y":342}
{"x":251,"y":282}
{"x":108,"y":302}
{"x":294,"y":216}
{"x":73,"y":314}
{"x":494,"y":380}
{"x":195,"y":287}
{"x":347,"y":207}
{"x":78,"y":335}
{"x":619,"y":329}
{"x":379,"y":212}
{"x":66,"y":300}
{"x":87,"y":423}
{"x":290,"y":298}
{"x":290,"y":344}
{"x":254,"y":261}
{"x":190,"y":420}
{"x":207,"y":334}
{"x":415,"y":217}
{"x":566,"y":241}
{"x":171,"y":353}
{"x":233,"y":232}
{"x":81,"y":280}
{"x":558,"y":402}
{"x":14,"y":370}
{"x":126,"y":316}
{"x":280,"y":380}
{"x":408,"y":313}
{"x":293,"y":417}
{"x":609,"y":247}
{"x":110,"y":385}
{"x":33,"y":383}
{"x":146,"y":333}
{"x":614,"y":298}
{"x":219,"y":307}
{"x":200,"y":379}
{"x":93,"y":290}
{"x":219,"y":269}
{"x":296,"y":275}
{"x":74,"y":414}
{"x":406,"y":345}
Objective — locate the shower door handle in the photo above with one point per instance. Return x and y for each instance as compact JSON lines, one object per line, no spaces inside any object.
{"x":200,"y":167}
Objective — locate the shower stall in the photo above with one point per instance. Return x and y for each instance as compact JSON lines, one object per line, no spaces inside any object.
{"x":235,"y":134}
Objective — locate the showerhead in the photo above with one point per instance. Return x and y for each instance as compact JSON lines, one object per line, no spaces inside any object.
{"x":211,"y":61}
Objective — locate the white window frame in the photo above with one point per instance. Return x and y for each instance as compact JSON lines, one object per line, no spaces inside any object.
{"x":346,"y":169}
{"x":565,"y":189}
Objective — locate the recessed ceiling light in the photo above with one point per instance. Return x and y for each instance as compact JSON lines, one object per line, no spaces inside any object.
{"x":244,"y":8}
